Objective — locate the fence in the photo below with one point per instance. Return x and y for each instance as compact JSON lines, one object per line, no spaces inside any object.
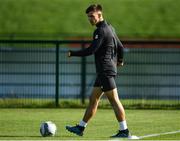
{"x":40,"y":70}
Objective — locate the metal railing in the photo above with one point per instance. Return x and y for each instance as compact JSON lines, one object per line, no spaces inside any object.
{"x":41,"y":69}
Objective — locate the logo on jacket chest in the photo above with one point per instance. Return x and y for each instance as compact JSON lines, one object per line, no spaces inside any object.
{"x":96,"y":36}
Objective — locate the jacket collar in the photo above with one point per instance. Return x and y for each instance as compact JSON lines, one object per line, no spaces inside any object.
{"x":100,"y":23}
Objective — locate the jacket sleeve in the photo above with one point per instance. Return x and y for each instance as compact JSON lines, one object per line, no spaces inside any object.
{"x":120,"y":49}
{"x":95,"y":45}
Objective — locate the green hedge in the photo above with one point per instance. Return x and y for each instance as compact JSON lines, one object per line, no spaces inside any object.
{"x":76,"y":103}
{"x":66,"y":18}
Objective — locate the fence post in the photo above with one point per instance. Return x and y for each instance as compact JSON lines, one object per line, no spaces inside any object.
{"x":83,"y":77}
{"x":57,"y":76}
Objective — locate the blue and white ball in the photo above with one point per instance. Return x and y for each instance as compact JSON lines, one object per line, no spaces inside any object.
{"x":48,"y":128}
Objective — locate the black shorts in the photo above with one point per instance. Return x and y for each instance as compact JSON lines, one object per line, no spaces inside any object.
{"x":106,"y":83}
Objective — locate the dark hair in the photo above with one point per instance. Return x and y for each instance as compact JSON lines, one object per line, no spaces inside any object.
{"x":94,"y":7}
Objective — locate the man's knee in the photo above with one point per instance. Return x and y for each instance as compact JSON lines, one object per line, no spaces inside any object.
{"x":93,"y":100}
{"x":95,"y":96}
{"x":112,"y":95}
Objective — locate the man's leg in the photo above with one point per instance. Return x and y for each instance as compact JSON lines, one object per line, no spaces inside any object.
{"x":118,"y":108}
{"x":93,"y":104}
{"x":90,"y":112}
{"x":113,"y":98}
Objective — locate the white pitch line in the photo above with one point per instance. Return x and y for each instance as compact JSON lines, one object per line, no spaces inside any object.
{"x":136,"y":137}
{"x":159,"y":134}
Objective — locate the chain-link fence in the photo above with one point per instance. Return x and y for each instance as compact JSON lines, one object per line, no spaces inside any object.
{"x":40,"y":72}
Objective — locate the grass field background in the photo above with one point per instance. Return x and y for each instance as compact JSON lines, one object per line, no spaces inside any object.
{"x":22,"y":124}
{"x":67,"y":18}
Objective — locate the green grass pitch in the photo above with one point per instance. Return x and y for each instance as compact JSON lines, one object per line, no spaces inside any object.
{"x":23,"y":124}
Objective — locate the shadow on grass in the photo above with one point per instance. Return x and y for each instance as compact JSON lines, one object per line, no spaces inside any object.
{"x":30,"y":136}
{"x":4,"y":136}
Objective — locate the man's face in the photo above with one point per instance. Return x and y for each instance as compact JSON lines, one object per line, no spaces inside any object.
{"x":94,"y":17}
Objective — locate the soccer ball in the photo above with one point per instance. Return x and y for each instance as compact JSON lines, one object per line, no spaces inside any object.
{"x":48,"y":128}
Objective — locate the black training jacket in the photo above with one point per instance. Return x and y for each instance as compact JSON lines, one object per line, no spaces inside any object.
{"x":106,"y":47}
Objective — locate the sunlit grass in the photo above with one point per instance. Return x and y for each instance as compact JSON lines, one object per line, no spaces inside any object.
{"x":24,"y":124}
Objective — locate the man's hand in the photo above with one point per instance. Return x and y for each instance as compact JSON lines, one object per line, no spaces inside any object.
{"x":120,"y":62}
{"x":69,"y":53}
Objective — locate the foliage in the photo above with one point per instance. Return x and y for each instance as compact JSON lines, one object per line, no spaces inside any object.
{"x":76,"y":103}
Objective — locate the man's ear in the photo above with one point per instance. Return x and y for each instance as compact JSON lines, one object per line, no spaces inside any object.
{"x":99,"y":14}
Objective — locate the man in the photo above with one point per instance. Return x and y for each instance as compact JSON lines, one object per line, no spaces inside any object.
{"x":108,"y":52}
